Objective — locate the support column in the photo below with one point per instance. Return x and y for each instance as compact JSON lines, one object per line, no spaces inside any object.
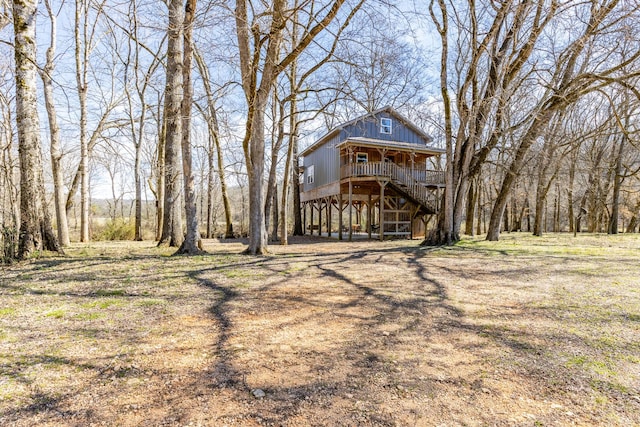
{"x":350,"y":210}
{"x":329,"y":205}
{"x":411,"y":218}
{"x":320,"y":217}
{"x":381,"y":222}
{"x":311,"y":205}
{"x":369,"y":222}
{"x":340,"y":216}
{"x":413,"y":164}
{"x":304,"y":217}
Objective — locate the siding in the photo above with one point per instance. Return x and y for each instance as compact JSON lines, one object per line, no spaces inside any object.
{"x":369,"y":127}
{"x":325,"y":158}
{"x":326,"y":164}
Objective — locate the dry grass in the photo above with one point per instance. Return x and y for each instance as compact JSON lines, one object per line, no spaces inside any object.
{"x":526,"y":331}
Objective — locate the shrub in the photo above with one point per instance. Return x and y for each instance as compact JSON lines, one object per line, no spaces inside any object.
{"x":118,"y":229}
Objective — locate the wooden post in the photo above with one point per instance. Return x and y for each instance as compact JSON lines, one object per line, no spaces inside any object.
{"x":312,"y":205}
{"x":413,"y":164}
{"x":369,"y":222}
{"x":381,"y":219}
{"x":340,"y":216}
{"x":350,"y":210}
{"x":320,"y":217}
{"x":411,"y":218}
{"x":304,"y":218}
{"x":329,"y":205}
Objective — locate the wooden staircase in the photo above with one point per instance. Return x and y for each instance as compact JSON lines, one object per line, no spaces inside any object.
{"x":403,"y":182}
{"x":408,"y":186}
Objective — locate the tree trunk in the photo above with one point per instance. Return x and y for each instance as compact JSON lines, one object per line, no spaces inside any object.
{"x":137,"y":135}
{"x":172,"y":234}
{"x":633,"y":223}
{"x":505,"y":219}
{"x":274,"y":215}
{"x":541,"y":200}
{"x":444,"y":234}
{"x":54,"y":132}
{"x":214,"y":131}
{"x":298,"y":227}
{"x":82,"y":59}
{"x":556,"y":214}
{"x":472,"y":201}
{"x":210,"y":186}
{"x":572,"y":175}
{"x":8,"y":187}
{"x":537,"y":126}
{"x":192,"y":243}
{"x":160,"y":171}
{"x":260,"y":66}
{"x":36,"y":232}
{"x":617,"y":185}
{"x":137,"y":172}
{"x":479,"y":208}
{"x":258,"y":244}
{"x":288,"y":176}
{"x":277,"y":138}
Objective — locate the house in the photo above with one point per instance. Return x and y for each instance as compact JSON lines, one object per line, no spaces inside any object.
{"x":377,"y":169}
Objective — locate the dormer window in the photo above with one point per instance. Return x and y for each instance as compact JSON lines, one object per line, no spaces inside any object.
{"x":386,"y":126}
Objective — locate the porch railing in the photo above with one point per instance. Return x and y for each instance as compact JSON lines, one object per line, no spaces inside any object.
{"x":413,"y":183}
{"x":425,"y":177}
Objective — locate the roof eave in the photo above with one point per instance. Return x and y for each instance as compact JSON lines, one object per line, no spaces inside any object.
{"x":390,"y":144}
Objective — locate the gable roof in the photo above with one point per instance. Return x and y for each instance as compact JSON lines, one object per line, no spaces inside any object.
{"x":388,"y":109}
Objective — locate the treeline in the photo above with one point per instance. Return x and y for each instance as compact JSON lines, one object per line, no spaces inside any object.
{"x":580,"y":175}
{"x":535,"y":101}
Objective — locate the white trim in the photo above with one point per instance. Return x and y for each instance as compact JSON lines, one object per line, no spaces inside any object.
{"x":386,"y":125}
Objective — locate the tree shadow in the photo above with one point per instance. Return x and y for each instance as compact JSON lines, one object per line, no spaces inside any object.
{"x":333,"y":341}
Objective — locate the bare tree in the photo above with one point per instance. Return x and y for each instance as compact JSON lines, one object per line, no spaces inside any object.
{"x":142,"y":81}
{"x":260,"y":50}
{"x":489,"y":63}
{"x":5,"y":17}
{"x":211,"y":117}
{"x":9,"y":191}
{"x":172,"y":221}
{"x":586,"y":65}
{"x":289,"y":171}
{"x":623,"y":168}
{"x":36,"y":232}
{"x":83,"y":44}
{"x":374,"y":66}
{"x":548,"y":167}
{"x":54,"y":131}
{"x":277,"y":141}
{"x":192,"y":243}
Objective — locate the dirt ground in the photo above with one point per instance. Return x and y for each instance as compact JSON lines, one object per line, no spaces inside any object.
{"x":524,"y":332}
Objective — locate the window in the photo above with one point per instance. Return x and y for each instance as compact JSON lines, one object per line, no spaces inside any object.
{"x":386,"y":126}
{"x":310,"y":174}
{"x":362,"y":157}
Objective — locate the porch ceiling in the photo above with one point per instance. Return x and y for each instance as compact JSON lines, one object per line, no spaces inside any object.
{"x":390,"y":145}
